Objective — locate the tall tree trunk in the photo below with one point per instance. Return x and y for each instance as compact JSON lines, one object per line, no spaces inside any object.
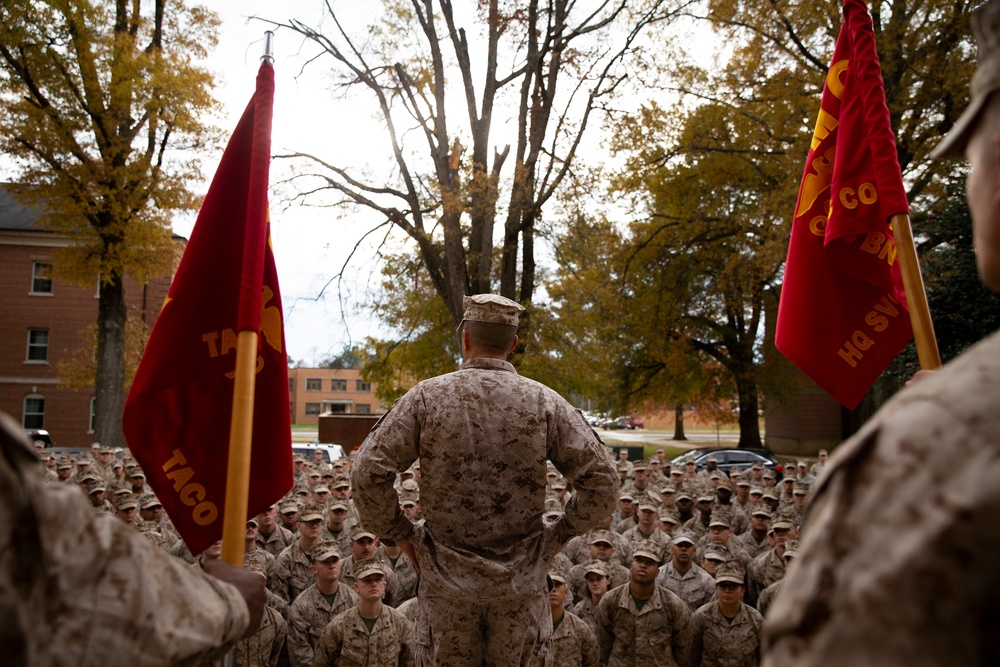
{"x":110,"y":376}
{"x":679,"y":423}
{"x":746,"y":389}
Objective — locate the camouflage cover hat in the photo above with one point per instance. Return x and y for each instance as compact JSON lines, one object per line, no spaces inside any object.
{"x":761,"y":510}
{"x":717,"y":552}
{"x":408,"y":499}
{"x":670,"y":516}
{"x":719,"y":519}
{"x":96,"y":485}
{"x":986,"y":80}
{"x":325,"y":549}
{"x":409,"y":485}
{"x":358,"y":531}
{"x":321,"y":489}
{"x":682,"y":536}
{"x":311,"y":512}
{"x":559,"y":485}
{"x":730,"y":571}
{"x":491,"y":308}
{"x":667,"y":488}
{"x":682,"y":494}
{"x":770,"y":493}
{"x":64,"y":464}
{"x":640,"y":465}
{"x":288,"y":506}
{"x":625,"y":495}
{"x":800,"y":489}
{"x":647,"y":503}
{"x":337,"y":504}
{"x":125,"y":501}
{"x":602,"y":536}
{"x":367,"y":567}
{"x":556,"y":573}
{"x":649,"y":549}
{"x":340,"y":482}
{"x":595,"y":566}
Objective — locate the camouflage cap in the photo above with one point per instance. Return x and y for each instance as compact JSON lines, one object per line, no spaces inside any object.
{"x":311,"y":512}
{"x":640,"y":465}
{"x":599,"y":536}
{"x":340,"y":482}
{"x":491,"y":308}
{"x":683,"y":494}
{"x":556,"y":573}
{"x":682,"y":536}
{"x":366,"y":567}
{"x":325,"y":549}
{"x":743,"y":481}
{"x":770,"y":493}
{"x":358,"y":531}
{"x":559,"y":485}
{"x":288,"y":507}
{"x":626,"y":495}
{"x":96,"y":485}
{"x":667,"y":488}
{"x":117,"y":464}
{"x":125,"y":501}
{"x":337,"y":504}
{"x":719,"y":519}
{"x":595,"y":566}
{"x":320,"y":488}
{"x":730,"y":571}
{"x":406,"y":499}
{"x":800,"y":489}
{"x":761,"y":510}
{"x":409,"y":485}
{"x":649,"y":549}
{"x":670,"y":516}
{"x":717,"y":552}
{"x":647,"y":503}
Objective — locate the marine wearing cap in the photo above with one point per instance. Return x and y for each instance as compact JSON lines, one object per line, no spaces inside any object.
{"x":490,"y":308}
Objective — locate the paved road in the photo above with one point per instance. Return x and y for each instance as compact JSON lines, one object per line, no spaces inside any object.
{"x":665,"y":438}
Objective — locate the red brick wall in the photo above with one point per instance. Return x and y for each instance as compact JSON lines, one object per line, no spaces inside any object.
{"x":66,"y":314}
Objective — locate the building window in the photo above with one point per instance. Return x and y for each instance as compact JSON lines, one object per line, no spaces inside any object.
{"x":93,"y":413}
{"x":312,"y":409}
{"x":363,"y":409}
{"x":338,"y":385}
{"x":38,"y":346}
{"x":41,"y":278}
{"x":34,"y":412}
{"x":314,"y":384}
{"x":291,"y":385}
{"x":364,"y":387}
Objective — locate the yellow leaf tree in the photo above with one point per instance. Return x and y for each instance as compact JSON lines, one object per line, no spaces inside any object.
{"x":97,"y":97}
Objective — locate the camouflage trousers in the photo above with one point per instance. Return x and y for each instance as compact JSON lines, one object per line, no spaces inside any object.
{"x":514,"y":632}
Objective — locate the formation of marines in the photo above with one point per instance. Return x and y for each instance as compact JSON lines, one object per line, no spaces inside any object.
{"x":682,"y":573}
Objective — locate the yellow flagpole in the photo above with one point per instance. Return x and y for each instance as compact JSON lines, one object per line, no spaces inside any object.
{"x":916,"y":295}
{"x":234,"y":522}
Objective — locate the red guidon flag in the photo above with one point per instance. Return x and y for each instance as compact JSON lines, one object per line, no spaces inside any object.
{"x":843,"y":315}
{"x":177,"y":415}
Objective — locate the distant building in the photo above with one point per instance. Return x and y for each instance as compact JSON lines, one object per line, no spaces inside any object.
{"x":45,"y":321}
{"x":315,"y":391}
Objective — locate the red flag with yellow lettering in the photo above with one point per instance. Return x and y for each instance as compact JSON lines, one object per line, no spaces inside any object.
{"x":177,"y":415}
{"x":843,"y":317}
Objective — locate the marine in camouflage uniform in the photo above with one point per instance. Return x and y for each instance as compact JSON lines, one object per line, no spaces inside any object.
{"x":293,"y":567}
{"x":767,"y":596}
{"x":385,"y":640}
{"x":594,"y":570}
{"x":483,"y":435}
{"x":694,"y":585}
{"x":646,"y":528}
{"x":578,"y":548}
{"x":899,"y":556}
{"x":721,"y":639}
{"x":600,"y":550}
{"x":279,"y":539}
{"x":573,"y":641}
{"x":264,"y":647}
{"x":769,"y":568}
{"x":84,"y":589}
{"x":654,"y":631}
{"x":311,"y":612}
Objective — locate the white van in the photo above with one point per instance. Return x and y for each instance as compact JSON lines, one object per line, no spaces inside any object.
{"x":331,"y":452}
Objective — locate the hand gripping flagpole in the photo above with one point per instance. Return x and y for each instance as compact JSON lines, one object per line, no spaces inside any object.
{"x":916,"y":295}
{"x":241,"y":426}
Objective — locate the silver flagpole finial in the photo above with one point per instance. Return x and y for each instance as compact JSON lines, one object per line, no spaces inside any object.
{"x":268,"y":56}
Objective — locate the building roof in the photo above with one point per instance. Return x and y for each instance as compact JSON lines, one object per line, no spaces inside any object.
{"x":14,"y":216}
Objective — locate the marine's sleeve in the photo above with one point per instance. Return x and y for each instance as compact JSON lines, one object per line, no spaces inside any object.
{"x":281,"y":635}
{"x":86,"y":589}
{"x":682,"y":637}
{"x":579,"y":454}
{"x":603,"y":621}
{"x":300,"y":652}
{"x":391,"y":447}
{"x":329,"y":646}
{"x":588,"y":646}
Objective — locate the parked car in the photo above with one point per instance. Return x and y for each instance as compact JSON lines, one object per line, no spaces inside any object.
{"x":38,"y":434}
{"x":331,"y":452}
{"x":732,"y":457}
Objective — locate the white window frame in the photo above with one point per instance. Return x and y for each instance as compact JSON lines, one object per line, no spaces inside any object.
{"x":30,"y":345}
{"x":25,"y":413}
{"x":35,"y":265}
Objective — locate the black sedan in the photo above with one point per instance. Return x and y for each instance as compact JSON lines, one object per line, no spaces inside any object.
{"x":731,"y":457}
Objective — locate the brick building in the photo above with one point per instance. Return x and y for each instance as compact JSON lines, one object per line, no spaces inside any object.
{"x":45,"y":321}
{"x":314,"y":391}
